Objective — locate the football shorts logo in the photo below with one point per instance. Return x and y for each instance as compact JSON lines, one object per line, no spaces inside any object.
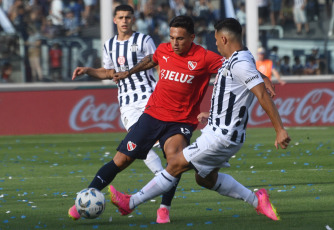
{"x":192,"y":65}
{"x":121,"y":60}
{"x":131,"y":146}
{"x":185,"y":131}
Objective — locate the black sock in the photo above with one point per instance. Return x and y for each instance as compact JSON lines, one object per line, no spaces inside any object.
{"x":168,"y":196}
{"x":104,"y":176}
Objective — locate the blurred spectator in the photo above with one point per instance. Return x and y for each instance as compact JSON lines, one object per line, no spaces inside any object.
{"x":141,"y":25}
{"x":49,"y":30}
{"x":263,"y":11}
{"x":273,"y":56}
{"x":285,"y":67}
{"x":265,"y":66}
{"x":6,"y":5}
{"x":178,"y":6}
{"x":320,"y":59}
{"x":297,"y":68}
{"x":241,"y":16}
{"x":19,"y":19}
{"x":78,"y":8}
{"x":299,"y":13}
{"x":88,"y":15}
{"x":312,"y":67}
{"x":33,"y":44}
{"x":55,"y":55}
{"x":6,"y":71}
{"x":202,"y":9}
{"x":275,"y":12}
{"x":56,"y":13}
{"x":331,"y":23}
{"x":71,"y":24}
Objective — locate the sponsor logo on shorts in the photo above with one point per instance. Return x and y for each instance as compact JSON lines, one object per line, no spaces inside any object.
{"x":131,"y":146}
{"x":185,"y":131}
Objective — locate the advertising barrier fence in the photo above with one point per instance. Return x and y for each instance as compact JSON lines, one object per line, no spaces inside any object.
{"x":96,"y":110}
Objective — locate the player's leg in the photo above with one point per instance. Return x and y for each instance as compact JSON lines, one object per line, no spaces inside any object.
{"x":153,"y":162}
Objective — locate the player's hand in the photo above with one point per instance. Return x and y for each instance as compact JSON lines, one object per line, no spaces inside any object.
{"x":203,"y":117}
{"x":79,"y":71}
{"x":282,"y":139}
{"x":120,"y":75}
{"x":269,"y":86}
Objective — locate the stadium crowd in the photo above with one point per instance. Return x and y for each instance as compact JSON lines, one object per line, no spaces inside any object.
{"x":35,"y":20}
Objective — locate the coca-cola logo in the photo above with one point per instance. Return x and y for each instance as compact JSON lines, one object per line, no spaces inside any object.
{"x":86,"y":115}
{"x":316,"y":107}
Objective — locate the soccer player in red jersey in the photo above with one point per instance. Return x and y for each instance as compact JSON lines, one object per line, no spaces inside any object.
{"x":171,"y":112}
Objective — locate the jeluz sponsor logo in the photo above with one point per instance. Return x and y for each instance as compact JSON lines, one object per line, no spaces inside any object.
{"x":251,"y":79}
{"x":176,"y":76}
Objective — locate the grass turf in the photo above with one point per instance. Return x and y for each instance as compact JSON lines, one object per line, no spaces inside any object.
{"x":40,"y":175}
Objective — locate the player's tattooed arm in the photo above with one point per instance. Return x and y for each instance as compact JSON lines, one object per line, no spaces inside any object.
{"x":146,"y":63}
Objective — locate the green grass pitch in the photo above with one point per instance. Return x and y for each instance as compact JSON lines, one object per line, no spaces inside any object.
{"x":40,"y":175}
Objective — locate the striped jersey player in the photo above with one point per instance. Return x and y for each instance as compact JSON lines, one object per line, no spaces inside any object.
{"x":232,"y":97}
{"x":122,"y":56}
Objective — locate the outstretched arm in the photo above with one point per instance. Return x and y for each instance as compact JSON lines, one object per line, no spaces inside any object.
{"x":100,"y":73}
{"x":146,"y":63}
{"x":282,"y":137}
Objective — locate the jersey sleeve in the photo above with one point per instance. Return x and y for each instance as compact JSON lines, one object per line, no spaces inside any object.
{"x":214,"y":61}
{"x":107,"y":61}
{"x":245,"y":71}
{"x":149,"y":46}
{"x":156,"y":54}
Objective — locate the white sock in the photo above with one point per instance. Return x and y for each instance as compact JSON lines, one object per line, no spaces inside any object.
{"x":164,"y":206}
{"x":160,"y":184}
{"x":226,"y":185}
{"x":153,"y":162}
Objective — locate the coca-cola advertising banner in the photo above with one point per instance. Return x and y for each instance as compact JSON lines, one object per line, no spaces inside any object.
{"x":97,"y":110}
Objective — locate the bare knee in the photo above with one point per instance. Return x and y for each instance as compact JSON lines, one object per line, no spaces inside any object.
{"x":209,"y":181}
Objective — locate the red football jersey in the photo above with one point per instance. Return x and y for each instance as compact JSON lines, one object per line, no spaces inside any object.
{"x":183,"y":81}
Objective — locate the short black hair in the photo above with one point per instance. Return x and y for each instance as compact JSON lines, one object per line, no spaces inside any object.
{"x":124,"y":8}
{"x":229,"y":24}
{"x":184,"y":22}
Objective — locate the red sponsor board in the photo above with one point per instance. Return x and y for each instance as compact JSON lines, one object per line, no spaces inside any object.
{"x":97,"y":110}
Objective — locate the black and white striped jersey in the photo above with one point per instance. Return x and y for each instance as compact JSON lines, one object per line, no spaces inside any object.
{"x":232,"y":97}
{"x":122,"y":56}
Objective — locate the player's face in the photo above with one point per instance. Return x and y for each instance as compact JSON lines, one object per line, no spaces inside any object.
{"x":124,"y":21}
{"x":180,"y":40}
{"x":220,"y":43}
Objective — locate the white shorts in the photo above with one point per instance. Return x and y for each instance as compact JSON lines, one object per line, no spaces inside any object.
{"x":131,"y":113}
{"x":299,"y":15}
{"x":209,"y":152}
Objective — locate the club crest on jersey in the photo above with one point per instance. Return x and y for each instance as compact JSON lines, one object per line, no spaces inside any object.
{"x":192,"y":65}
{"x":121,"y":60}
{"x":131,"y":146}
{"x":134,"y":48}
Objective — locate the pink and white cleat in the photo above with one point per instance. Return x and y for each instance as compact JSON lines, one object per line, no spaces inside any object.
{"x":73,"y":213}
{"x":120,"y":200}
{"x":163,"y":216}
{"x":264,"y":206}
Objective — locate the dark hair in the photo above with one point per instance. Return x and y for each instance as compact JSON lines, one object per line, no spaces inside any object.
{"x":184,"y":22}
{"x":229,"y":24}
{"x":124,"y":8}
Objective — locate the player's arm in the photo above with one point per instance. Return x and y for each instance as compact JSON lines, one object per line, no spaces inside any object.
{"x":282,"y":137}
{"x":146,"y":63}
{"x":268,"y":84}
{"x":203,"y":117}
{"x":100,"y":73}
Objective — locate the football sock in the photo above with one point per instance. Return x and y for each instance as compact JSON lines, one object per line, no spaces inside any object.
{"x":153,"y":162}
{"x":160,"y":184}
{"x":104,"y":176}
{"x":226,"y":185}
{"x":168,"y":196}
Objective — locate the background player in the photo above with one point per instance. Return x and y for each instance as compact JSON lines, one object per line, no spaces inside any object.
{"x":121,"y":53}
{"x":236,"y":84}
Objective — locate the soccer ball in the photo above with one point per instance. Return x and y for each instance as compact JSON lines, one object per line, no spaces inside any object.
{"x":90,"y":203}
